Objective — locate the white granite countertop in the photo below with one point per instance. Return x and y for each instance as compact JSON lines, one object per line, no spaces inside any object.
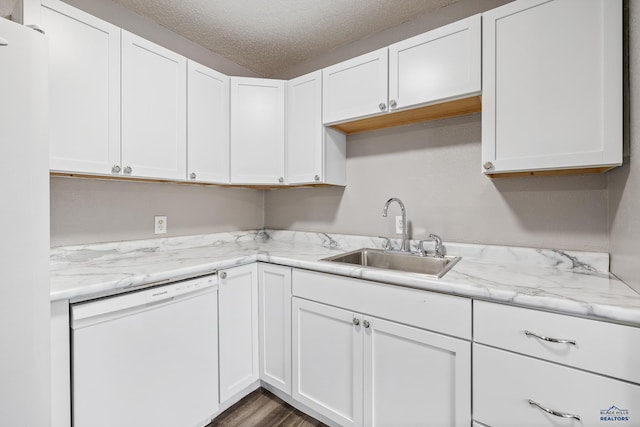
{"x":569,"y":282}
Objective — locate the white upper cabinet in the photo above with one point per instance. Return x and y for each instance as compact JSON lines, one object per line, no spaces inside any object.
{"x":257,"y":131}
{"x":435,"y":66}
{"x":84,"y":90}
{"x":154,"y":106}
{"x":552,"y":86}
{"x":207,"y":124}
{"x":315,"y":154}
{"x":355,"y":88}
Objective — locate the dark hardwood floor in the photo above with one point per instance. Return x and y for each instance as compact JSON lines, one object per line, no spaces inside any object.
{"x":263,"y":409}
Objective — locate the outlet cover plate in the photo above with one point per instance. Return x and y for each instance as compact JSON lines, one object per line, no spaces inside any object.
{"x":160,"y":224}
{"x":399,"y":224}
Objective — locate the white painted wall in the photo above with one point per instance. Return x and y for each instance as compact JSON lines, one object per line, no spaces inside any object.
{"x":624,"y":182}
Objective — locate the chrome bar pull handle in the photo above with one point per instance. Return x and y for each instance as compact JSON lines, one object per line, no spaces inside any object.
{"x":548,"y":339}
{"x":552,"y":412}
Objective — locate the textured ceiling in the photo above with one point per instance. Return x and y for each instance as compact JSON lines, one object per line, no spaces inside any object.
{"x":267,"y":36}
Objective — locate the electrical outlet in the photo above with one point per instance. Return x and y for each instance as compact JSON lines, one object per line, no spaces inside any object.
{"x":160,"y":224}
{"x":399,"y":224}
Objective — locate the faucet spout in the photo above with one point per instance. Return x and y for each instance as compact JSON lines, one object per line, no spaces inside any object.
{"x":405,"y":240}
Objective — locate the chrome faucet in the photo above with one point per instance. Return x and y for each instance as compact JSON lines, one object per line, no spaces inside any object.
{"x":405,"y":240}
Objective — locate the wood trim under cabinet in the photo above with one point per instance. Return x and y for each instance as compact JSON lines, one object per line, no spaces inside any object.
{"x":458,"y":107}
{"x":559,"y":172}
{"x":205,"y":184}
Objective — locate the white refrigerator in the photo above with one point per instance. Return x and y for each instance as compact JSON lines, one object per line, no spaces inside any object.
{"x":24,"y":225}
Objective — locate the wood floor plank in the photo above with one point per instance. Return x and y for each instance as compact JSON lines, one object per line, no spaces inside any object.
{"x":263,"y":409}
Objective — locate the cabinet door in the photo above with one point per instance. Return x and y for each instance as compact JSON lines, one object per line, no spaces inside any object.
{"x":275,"y":325}
{"x":355,"y":88}
{"x":505,"y":383}
{"x":327,"y":361}
{"x":439,"y":65}
{"x":257,"y":131}
{"x":238,"y":333}
{"x":315,"y":154}
{"x":154,"y":105}
{"x":552,"y":85}
{"x":304,"y":129}
{"x":413,"y":377}
{"x":207,"y":124}
{"x":84,"y":90}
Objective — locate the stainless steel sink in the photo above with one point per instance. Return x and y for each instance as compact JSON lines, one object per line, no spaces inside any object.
{"x":405,"y":262}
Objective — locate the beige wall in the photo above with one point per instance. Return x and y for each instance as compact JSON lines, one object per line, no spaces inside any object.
{"x":90,"y":210}
{"x":624,"y":182}
{"x":435,"y":169}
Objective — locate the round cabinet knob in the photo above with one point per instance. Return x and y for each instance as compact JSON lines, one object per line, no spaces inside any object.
{"x":366,"y":324}
{"x":128,"y":170}
{"x":382,"y":106}
{"x":316,"y":178}
{"x":115,"y":169}
{"x":192,"y":175}
{"x":393,"y":103}
{"x":356,"y":321}
{"x":281,"y":180}
{"x":223,"y":274}
{"x":487,"y":165}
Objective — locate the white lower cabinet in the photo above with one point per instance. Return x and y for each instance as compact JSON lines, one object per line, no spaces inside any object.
{"x":359,"y":370}
{"x":274,"y":308}
{"x":510,"y":389}
{"x":238,"y":329}
{"x":327,"y":361}
{"x":414,"y":377}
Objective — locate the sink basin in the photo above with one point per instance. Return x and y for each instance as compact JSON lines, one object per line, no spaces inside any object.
{"x":408,"y":263}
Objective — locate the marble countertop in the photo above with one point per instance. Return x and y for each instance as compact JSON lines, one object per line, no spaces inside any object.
{"x":569,"y":282}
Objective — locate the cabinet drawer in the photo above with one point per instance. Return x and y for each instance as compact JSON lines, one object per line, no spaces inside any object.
{"x":601,"y":347}
{"x":436,"y":312}
{"x":504,"y":383}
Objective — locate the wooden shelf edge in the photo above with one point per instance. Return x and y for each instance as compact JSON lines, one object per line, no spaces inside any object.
{"x":168,"y":181}
{"x":443,"y":110}
{"x":558,"y":172}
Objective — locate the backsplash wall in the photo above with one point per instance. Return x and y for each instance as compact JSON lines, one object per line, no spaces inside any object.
{"x":92,"y":210}
{"x":435,"y":169}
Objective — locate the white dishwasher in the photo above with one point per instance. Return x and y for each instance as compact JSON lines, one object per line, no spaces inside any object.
{"x":147,"y":358}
